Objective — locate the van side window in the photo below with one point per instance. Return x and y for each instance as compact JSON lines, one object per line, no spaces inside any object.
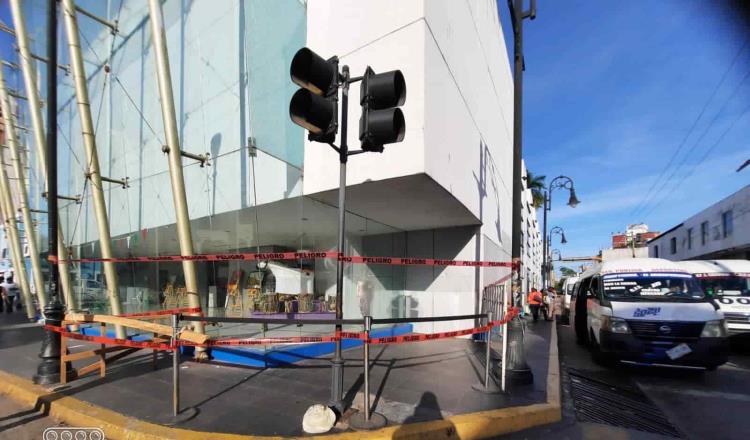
{"x":583,"y":289}
{"x":594,"y":288}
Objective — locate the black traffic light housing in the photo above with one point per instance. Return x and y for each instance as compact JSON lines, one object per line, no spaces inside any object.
{"x":382,"y":122}
{"x":315,"y":106}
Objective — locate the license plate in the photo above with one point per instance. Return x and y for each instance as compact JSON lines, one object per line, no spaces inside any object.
{"x":678,"y":351}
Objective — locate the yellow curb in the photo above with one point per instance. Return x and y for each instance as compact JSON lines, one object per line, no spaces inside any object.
{"x":476,"y":425}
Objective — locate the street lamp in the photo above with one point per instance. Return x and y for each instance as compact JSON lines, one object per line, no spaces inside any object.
{"x":555,"y":252}
{"x":557,"y":230}
{"x":559,"y":182}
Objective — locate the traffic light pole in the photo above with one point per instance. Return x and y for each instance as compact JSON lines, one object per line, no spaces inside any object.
{"x":337,"y":370}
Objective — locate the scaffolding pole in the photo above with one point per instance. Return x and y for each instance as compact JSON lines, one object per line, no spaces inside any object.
{"x":92,"y":158}
{"x":10,"y":136}
{"x":40,"y":141}
{"x":174,"y":155}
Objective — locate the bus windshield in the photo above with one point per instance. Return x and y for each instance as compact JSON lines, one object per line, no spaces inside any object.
{"x":652,"y":286}
{"x":725,"y":284}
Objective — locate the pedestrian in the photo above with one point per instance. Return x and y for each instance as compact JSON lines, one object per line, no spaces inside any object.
{"x":549,"y":302}
{"x":535,"y":302}
{"x":2,"y":294}
{"x":8,"y":296}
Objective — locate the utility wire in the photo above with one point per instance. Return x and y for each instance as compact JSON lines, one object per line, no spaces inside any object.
{"x":649,"y":194}
{"x":702,"y":159}
{"x":673,"y":174}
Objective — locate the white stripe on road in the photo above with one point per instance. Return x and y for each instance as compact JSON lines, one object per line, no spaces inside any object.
{"x":698,"y":393}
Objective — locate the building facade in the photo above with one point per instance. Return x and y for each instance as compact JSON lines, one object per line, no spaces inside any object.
{"x":444,"y":192}
{"x":721,"y":231}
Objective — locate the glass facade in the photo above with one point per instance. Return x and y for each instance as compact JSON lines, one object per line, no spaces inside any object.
{"x":229,"y":63}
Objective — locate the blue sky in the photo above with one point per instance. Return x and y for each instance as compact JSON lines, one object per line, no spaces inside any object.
{"x":612,"y":90}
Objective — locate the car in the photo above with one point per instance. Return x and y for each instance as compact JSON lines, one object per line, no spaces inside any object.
{"x":728,"y":283}
{"x":648,"y":311}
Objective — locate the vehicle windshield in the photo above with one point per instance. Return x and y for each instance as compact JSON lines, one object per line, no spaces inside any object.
{"x":652,"y":286}
{"x":725,"y":284}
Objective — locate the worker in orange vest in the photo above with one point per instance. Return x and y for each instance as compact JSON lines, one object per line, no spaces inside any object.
{"x":535,"y":301}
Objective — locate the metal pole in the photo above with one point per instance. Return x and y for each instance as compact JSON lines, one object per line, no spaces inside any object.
{"x":337,"y":368}
{"x":366,"y":349}
{"x":547,"y":196}
{"x":519,"y":370}
{"x":11,"y":228}
{"x":40,"y":141}
{"x":505,"y":341}
{"x":36,"y":265}
{"x":175,"y":367}
{"x":487,"y":352}
{"x":92,"y":157}
{"x":177,"y":180}
{"x":52,"y":145}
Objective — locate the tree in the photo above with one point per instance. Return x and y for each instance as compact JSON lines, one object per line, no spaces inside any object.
{"x":567,"y":272}
{"x":536,"y":185}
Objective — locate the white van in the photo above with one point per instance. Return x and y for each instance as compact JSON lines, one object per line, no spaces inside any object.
{"x":648,"y":311}
{"x":728,"y":283}
{"x":567,"y":293}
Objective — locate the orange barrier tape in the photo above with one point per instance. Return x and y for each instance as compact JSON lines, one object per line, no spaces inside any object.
{"x":186,"y":310}
{"x":512,"y":313}
{"x":110,"y":341}
{"x":293,"y":256}
{"x":429,"y":336}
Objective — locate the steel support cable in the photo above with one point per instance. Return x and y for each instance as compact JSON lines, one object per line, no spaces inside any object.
{"x":649,"y":194}
{"x":702,"y":159}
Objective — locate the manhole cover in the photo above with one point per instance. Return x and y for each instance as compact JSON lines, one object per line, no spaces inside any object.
{"x":627,"y":407}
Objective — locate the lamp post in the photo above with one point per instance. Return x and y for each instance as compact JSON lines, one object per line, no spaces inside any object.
{"x":559,"y":182}
{"x":557,"y":230}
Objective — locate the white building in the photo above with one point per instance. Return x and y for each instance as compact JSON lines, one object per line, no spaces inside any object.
{"x":721,"y":231}
{"x":445,"y":192}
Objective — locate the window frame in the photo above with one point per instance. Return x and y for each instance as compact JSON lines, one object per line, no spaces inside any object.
{"x":727,"y":223}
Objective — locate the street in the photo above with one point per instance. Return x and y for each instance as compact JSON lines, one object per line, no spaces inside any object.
{"x":634,"y":402}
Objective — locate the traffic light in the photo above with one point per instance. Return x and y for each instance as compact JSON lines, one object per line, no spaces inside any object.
{"x":382,"y":122}
{"x":314,"y":107}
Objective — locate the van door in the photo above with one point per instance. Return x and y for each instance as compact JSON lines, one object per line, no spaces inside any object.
{"x":580,"y":320}
{"x":594,"y":305}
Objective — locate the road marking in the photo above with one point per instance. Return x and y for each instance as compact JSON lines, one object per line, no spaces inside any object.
{"x":699,"y":393}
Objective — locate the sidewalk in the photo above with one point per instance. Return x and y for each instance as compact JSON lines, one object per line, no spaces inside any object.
{"x":410,"y":383}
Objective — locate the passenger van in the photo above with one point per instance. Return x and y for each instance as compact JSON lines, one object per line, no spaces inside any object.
{"x":727,"y":282}
{"x":648,"y":311}
{"x":567,"y":291}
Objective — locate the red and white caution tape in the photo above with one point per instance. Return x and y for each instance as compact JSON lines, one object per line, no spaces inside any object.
{"x":398,"y":261}
{"x":109,"y":341}
{"x":512,"y":313}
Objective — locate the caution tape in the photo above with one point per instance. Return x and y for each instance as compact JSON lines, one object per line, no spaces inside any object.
{"x":398,"y":261}
{"x":429,"y":336}
{"x":109,"y":341}
{"x":225,"y":342}
{"x":187,"y":310}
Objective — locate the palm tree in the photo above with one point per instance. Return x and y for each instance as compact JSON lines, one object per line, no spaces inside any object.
{"x":537,"y":186}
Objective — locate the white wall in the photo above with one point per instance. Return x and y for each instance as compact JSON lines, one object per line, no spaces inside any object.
{"x":738,"y":241}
